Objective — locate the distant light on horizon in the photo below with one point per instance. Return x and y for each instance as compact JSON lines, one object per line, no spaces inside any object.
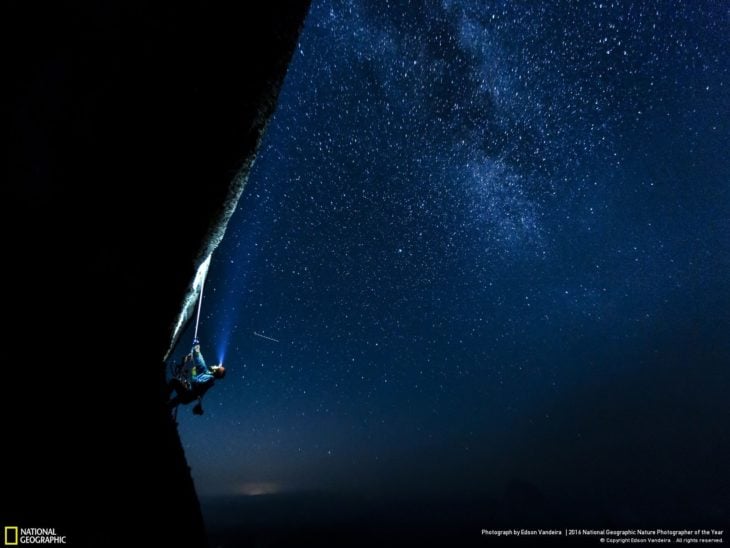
{"x":254,"y":489}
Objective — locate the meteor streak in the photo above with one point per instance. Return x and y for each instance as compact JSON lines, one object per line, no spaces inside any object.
{"x":265,"y":337}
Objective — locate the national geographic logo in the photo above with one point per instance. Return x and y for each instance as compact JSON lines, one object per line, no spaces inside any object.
{"x":32,"y":535}
{"x":11,"y":536}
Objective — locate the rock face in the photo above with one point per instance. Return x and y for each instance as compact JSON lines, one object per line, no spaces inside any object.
{"x":128,"y":127}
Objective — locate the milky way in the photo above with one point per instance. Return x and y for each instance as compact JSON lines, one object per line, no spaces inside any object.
{"x":464,"y":218}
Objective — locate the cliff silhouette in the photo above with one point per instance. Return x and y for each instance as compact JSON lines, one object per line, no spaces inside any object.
{"x":131,"y":131}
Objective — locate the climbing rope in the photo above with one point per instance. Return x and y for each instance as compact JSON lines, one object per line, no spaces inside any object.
{"x":200,"y":305}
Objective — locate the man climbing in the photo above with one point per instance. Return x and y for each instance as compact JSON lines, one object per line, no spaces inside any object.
{"x":201,"y":379}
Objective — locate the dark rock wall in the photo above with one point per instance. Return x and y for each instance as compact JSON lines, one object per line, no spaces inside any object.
{"x":127,"y":125}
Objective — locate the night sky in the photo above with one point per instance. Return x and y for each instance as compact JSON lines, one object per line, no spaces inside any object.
{"x":492,"y":241}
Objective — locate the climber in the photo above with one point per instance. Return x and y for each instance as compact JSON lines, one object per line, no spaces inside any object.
{"x":201,"y":379}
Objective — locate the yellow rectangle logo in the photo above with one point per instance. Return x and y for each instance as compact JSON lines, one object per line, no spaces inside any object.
{"x":11,"y":536}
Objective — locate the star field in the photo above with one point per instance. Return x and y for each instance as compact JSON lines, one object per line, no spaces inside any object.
{"x":464,"y":219}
